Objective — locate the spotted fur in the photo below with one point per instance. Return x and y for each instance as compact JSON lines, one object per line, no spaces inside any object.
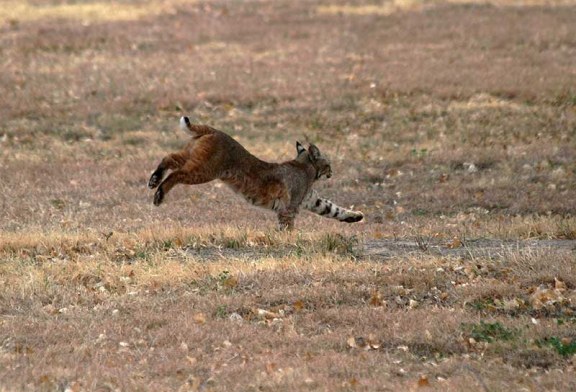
{"x":326,"y":208}
{"x":212,"y":154}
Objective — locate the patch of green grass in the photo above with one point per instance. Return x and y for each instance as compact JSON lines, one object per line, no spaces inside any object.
{"x":229,"y":242}
{"x":58,"y":203}
{"x":419,"y":153}
{"x":134,"y":141}
{"x":221,"y":312}
{"x":483,"y":304}
{"x":489,"y":332}
{"x":168,"y":244}
{"x":566,"y":97}
{"x":419,"y":212}
{"x":563,"y":347}
{"x":565,"y":320}
{"x":74,"y":135}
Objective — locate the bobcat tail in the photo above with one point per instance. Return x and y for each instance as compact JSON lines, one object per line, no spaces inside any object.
{"x":195,"y":130}
{"x":328,"y":209}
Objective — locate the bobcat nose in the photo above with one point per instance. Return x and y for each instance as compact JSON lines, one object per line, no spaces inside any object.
{"x":328,"y":175}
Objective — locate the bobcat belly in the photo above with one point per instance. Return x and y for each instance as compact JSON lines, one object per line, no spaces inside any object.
{"x":274,"y":204}
{"x":264,"y":194}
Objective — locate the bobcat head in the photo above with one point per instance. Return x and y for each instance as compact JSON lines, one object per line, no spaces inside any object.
{"x":313,"y":155}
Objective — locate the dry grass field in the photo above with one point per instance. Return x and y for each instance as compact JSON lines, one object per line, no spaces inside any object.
{"x":450,"y":124}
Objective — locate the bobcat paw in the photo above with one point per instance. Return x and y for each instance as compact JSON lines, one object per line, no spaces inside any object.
{"x":158,"y":197}
{"x":154,"y":181}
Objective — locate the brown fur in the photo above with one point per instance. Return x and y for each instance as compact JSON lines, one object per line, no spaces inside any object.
{"x":212,"y":154}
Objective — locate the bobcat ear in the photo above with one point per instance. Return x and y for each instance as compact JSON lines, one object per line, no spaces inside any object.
{"x":300,"y":148}
{"x":314,"y":152}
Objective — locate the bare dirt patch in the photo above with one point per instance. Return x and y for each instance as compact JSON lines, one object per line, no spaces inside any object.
{"x":484,"y":248}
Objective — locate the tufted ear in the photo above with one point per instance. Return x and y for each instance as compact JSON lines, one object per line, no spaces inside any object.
{"x":314,"y":152}
{"x":300,"y":148}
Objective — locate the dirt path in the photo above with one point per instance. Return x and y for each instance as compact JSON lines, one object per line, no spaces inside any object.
{"x":386,"y":248}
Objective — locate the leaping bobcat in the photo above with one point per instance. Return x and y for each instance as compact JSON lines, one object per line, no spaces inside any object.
{"x":281,"y":187}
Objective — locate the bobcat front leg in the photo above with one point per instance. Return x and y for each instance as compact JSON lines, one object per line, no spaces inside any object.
{"x":287,"y":215}
{"x":286,"y":219}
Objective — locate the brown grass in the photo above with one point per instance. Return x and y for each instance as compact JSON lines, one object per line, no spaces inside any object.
{"x":446,"y":121}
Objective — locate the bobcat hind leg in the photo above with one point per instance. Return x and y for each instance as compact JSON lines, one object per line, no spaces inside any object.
{"x":189,"y":177}
{"x":170,"y":162}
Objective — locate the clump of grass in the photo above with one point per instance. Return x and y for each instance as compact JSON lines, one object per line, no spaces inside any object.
{"x":565,"y":347}
{"x":489,"y":332}
{"x":339,"y":244}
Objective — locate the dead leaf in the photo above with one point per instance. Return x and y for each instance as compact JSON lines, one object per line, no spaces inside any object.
{"x":423,"y":381}
{"x":544,"y":297}
{"x":74,"y":387}
{"x":271,"y":367}
{"x":50,"y":309}
{"x":456,"y":243}
{"x":375,"y":299}
{"x":230,"y":282}
{"x":199,"y":318}
{"x":370,"y":343}
{"x":265,"y":314}
{"x":298,"y":305}
{"x":559,"y":285}
{"x":352,"y":342}
{"x":373,"y":343}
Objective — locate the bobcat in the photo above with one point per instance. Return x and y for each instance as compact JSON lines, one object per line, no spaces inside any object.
{"x":281,"y":187}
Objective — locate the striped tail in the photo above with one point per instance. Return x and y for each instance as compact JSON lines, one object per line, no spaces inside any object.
{"x":326,"y":208}
{"x":195,"y":130}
